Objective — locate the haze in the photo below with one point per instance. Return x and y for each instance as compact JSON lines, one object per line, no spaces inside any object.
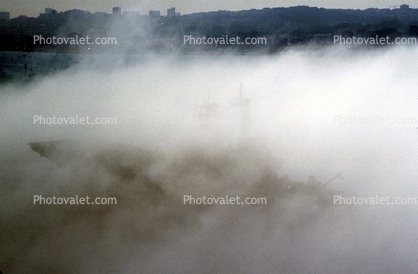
{"x":301,"y":103}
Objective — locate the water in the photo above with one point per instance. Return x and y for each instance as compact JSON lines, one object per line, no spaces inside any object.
{"x":23,"y":66}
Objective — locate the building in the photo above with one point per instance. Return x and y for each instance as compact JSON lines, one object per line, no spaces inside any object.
{"x":404,"y":7}
{"x":4,"y":15}
{"x":154,"y":13}
{"x":117,"y":11}
{"x":50,"y":11}
{"x":172,"y":12}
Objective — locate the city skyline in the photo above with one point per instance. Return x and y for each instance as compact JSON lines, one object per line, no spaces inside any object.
{"x":31,"y":9}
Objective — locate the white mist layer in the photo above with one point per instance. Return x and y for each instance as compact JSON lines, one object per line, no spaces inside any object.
{"x":318,"y":113}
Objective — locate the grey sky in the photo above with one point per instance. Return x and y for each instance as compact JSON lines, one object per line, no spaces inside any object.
{"x":34,"y":7}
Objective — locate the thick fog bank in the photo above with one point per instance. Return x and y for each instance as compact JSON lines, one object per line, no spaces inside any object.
{"x":296,"y":128}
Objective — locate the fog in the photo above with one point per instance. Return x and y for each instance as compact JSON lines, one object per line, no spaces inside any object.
{"x":296,"y":127}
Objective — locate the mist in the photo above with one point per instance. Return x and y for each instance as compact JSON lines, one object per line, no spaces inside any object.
{"x":317,"y":123}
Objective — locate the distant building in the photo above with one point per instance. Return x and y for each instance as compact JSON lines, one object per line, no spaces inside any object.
{"x":154,"y":13}
{"x":50,"y":11}
{"x":117,"y":11}
{"x":4,"y":15}
{"x":404,"y":7}
{"x":172,"y":12}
